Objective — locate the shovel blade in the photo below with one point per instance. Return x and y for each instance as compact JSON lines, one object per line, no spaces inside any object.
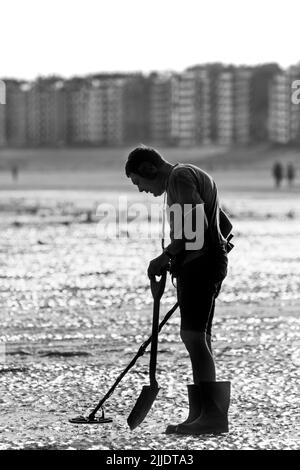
{"x":142,"y":406}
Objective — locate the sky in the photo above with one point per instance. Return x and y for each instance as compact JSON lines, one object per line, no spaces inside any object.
{"x":71,"y":37}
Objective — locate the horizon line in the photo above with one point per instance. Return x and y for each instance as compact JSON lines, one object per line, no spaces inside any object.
{"x":150,"y":71}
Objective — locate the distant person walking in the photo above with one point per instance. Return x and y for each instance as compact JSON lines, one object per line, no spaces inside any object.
{"x":290,"y":174}
{"x":277,"y":174}
{"x":15,"y":173}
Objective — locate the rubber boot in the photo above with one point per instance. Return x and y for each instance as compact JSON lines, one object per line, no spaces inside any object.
{"x":194,"y":395}
{"x":215,"y":397}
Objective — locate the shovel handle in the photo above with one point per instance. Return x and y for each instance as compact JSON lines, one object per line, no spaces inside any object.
{"x":158,"y":287}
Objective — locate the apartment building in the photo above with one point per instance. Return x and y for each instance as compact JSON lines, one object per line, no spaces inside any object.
{"x":16,"y":113}
{"x":191,"y":110}
{"x":46,"y":114}
{"x":115,"y":112}
{"x":77,"y":111}
{"x":261,"y":78}
{"x":95,"y":111}
{"x":204,"y":104}
{"x":284,"y":115}
{"x":225,"y":108}
{"x":242,"y":105}
{"x":279,"y":110}
{"x":233,"y":109}
{"x":136,"y":105}
{"x":106,"y":111}
{"x":160,"y":109}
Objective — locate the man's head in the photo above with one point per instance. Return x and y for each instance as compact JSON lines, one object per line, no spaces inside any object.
{"x":147,"y":170}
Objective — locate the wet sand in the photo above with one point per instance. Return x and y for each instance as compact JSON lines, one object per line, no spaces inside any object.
{"x":75,"y":308}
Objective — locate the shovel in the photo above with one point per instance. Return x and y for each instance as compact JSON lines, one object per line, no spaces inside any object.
{"x":92,"y":418}
{"x":149,"y":392}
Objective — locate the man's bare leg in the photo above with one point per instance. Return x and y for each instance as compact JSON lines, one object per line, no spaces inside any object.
{"x":201,"y":358}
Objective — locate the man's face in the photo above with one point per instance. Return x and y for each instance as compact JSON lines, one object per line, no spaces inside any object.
{"x":149,"y":186}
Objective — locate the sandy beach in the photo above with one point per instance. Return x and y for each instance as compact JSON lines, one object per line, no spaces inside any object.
{"x":75,"y":308}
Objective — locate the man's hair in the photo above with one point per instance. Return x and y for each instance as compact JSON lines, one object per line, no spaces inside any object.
{"x":139,"y":159}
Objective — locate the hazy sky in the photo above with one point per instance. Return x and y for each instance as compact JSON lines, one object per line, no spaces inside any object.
{"x":68,"y":37}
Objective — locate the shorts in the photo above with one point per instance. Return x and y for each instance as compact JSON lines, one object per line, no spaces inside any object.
{"x":198,"y":285}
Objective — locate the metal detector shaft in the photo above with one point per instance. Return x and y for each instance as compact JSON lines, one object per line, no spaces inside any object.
{"x":140,"y":353}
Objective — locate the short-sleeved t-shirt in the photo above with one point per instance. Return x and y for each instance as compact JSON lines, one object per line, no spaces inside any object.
{"x":188,"y":184}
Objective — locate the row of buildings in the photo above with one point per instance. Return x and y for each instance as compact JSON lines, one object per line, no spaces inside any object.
{"x":204,"y":104}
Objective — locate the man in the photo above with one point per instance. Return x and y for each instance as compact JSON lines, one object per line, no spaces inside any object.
{"x":290,"y":174}
{"x":277,"y":173}
{"x":199,"y":274}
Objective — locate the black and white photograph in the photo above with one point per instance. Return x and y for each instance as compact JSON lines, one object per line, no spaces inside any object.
{"x":150,"y":228}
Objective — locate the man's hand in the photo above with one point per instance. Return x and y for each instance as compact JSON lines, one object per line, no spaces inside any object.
{"x":158,"y":265}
